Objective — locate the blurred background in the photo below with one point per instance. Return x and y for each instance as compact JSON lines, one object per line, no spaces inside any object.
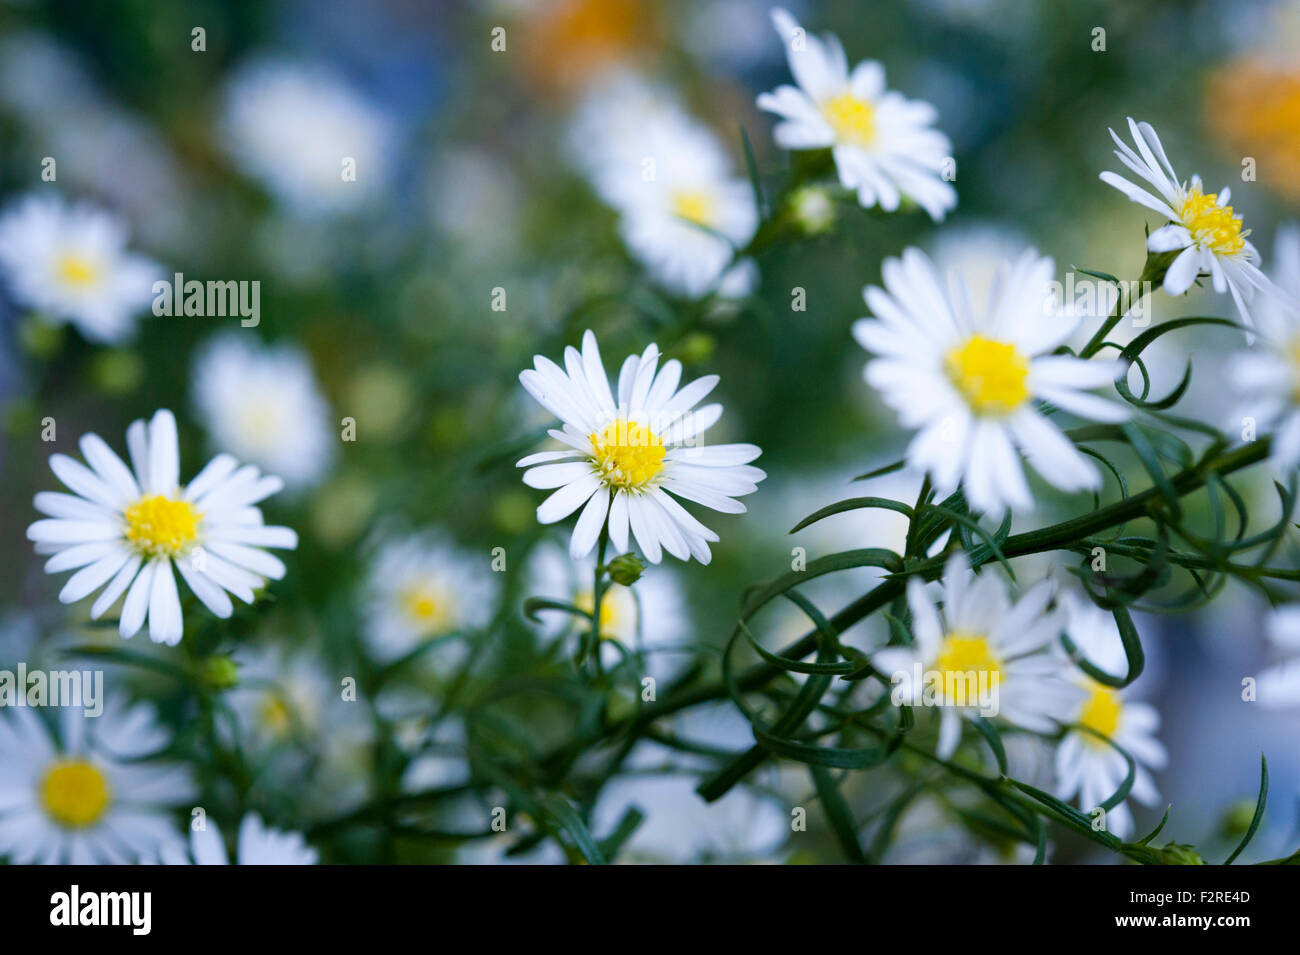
{"x":377,"y":305}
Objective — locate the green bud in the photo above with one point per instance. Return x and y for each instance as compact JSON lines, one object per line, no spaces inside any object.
{"x":696,"y":348}
{"x":812,"y":209}
{"x":40,"y":337}
{"x":117,"y":371}
{"x":1176,"y":854}
{"x":220,"y":673}
{"x":625,"y":569}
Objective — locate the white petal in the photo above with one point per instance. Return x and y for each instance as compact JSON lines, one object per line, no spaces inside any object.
{"x":164,"y":455}
{"x":589,"y":524}
{"x":567,"y":500}
{"x":164,"y":603}
{"x":137,"y":601}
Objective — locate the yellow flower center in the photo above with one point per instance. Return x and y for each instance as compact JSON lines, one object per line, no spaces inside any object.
{"x":159,"y":526}
{"x":75,"y":793}
{"x":852,"y":119}
{"x":1212,"y":225}
{"x":429,"y":608}
{"x":258,"y":420}
{"x":77,"y":270}
{"x":990,"y":375}
{"x":1101,"y":713}
{"x":965,"y":656}
{"x":609,"y":616}
{"x":694,"y":205}
{"x":275,"y":714}
{"x":627,"y":454}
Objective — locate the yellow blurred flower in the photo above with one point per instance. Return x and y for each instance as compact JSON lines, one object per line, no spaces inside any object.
{"x":1254,"y":108}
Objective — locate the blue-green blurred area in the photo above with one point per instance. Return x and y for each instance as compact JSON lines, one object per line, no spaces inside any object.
{"x":472,"y":243}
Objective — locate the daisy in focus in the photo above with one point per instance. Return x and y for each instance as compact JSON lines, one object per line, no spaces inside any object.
{"x":1278,"y":686}
{"x":126,"y":529}
{"x":648,"y":617}
{"x":298,"y":127}
{"x":1202,"y":225}
{"x":71,"y":264}
{"x":884,"y":146}
{"x":259,"y":844}
{"x":422,"y":588}
{"x":91,"y":796}
{"x":263,"y":405}
{"x":969,"y":376}
{"x":682,"y":212}
{"x":626,"y":458}
{"x":1267,"y":375}
{"x":981,"y":645}
{"x":1086,"y":764}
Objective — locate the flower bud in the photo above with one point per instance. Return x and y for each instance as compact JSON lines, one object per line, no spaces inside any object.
{"x":812,"y":209}
{"x":220,"y":673}
{"x":1176,"y":854}
{"x":626,"y":569}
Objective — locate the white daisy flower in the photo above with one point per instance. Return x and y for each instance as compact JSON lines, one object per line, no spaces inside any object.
{"x":71,"y":263}
{"x":297,"y":127}
{"x":969,"y":378}
{"x":980,"y":638}
{"x":262,"y":404}
{"x":1278,"y":686}
{"x":91,"y":796}
{"x":683,"y":213}
{"x":883,"y":144}
{"x":421,"y":588}
{"x":626,"y":459}
{"x":128,"y":527}
{"x":259,"y":844}
{"x":648,"y":616}
{"x":1202,"y":224}
{"x":1267,"y":376}
{"x":1088,"y":766}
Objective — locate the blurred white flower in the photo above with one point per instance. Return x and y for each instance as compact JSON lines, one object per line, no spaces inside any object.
{"x":301,"y":130}
{"x":625,"y":459}
{"x":1278,"y":686}
{"x":258,"y":845}
{"x":262,"y":403}
{"x":883,"y":144}
{"x":683,"y":213}
{"x":71,"y":264}
{"x":64,"y":113}
{"x":1267,"y":375}
{"x":421,"y":588}
{"x":281,"y":696}
{"x":748,"y":824}
{"x":969,"y":377}
{"x":1201,"y":224}
{"x":1087,"y":765}
{"x":649,"y":616}
{"x":981,"y":636}
{"x":128,"y":527}
{"x":91,"y":796}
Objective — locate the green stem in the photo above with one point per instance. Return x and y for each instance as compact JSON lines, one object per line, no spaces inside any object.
{"x":597,"y":600}
{"x":1152,"y":272}
{"x":1065,"y":534}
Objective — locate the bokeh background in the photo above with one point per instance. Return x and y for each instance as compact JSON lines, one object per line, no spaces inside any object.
{"x":467,"y":186}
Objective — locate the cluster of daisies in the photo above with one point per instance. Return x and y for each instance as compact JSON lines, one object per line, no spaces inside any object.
{"x":686,"y":215}
{"x":981,"y":382}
